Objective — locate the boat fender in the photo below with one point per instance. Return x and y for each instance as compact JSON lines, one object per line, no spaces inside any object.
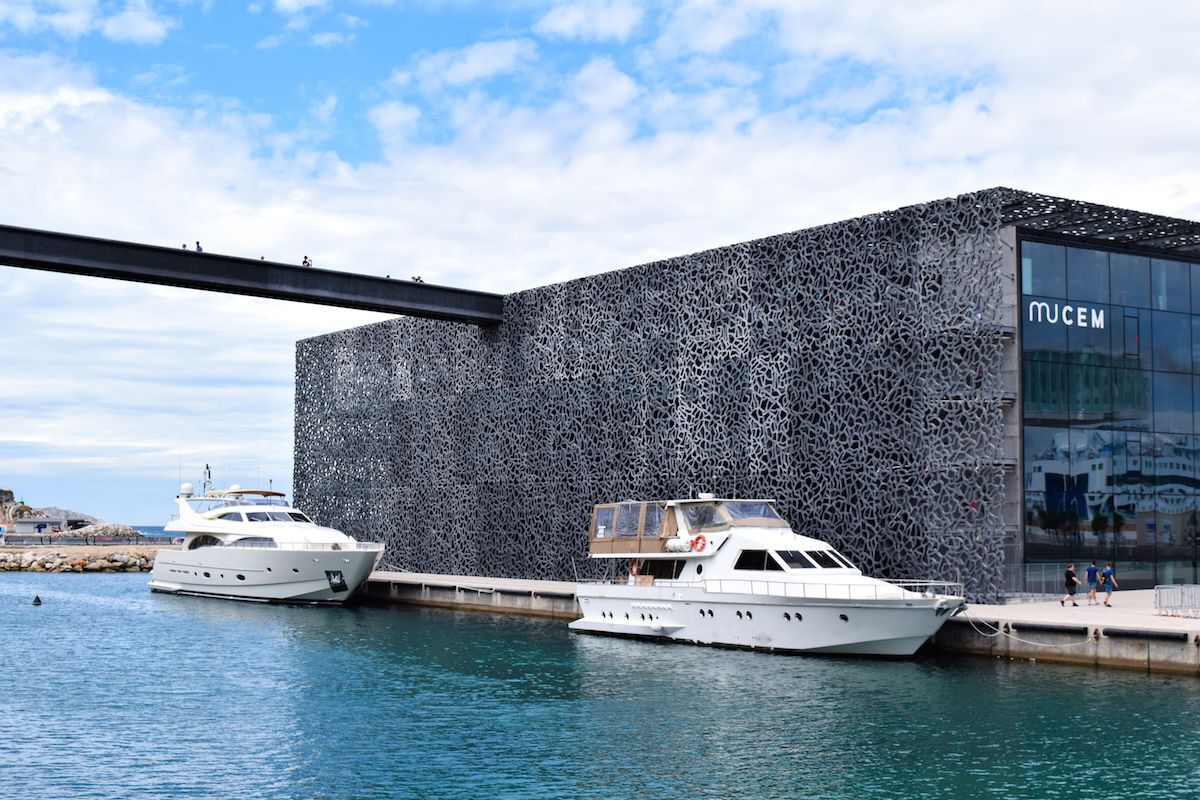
{"x":633,"y":567}
{"x":699,"y":543}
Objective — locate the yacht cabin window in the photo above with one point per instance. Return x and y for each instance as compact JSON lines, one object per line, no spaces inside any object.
{"x":758,"y":560}
{"x":824,"y":558}
{"x":298,"y":517}
{"x":628,"y":517}
{"x":258,"y":516}
{"x":746,"y":509}
{"x":255,"y":541}
{"x":795,"y":559}
{"x":204,"y":540}
{"x":232,"y":516}
{"x":604,"y":522}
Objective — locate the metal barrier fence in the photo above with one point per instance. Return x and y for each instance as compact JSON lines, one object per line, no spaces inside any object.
{"x":1178,"y":600}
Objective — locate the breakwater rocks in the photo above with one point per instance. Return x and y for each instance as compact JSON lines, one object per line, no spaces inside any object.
{"x":52,"y":560}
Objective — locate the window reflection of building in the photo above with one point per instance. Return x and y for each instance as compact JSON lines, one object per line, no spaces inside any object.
{"x":1110,"y":411}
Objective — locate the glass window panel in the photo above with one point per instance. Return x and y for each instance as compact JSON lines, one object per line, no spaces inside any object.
{"x":1041,"y":338}
{"x":1145,"y":343}
{"x":1087,"y":275}
{"x":1195,"y":268}
{"x":1047,"y":459}
{"x":1043,"y":269}
{"x":1174,"y":466}
{"x":1172,"y":342}
{"x":1169,"y":288}
{"x":1172,"y":402}
{"x":1089,"y":333}
{"x":1132,"y":392}
{"x":1129,"y":280}
{"x":1181,"y":569}
{"x":1126,"y":470}
{"x":1196,"y":402}
{"x":1090,"y":393}
{"x":1046,"y":393}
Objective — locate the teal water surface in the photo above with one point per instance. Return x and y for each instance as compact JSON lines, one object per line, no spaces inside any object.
{"x":111,"y":691}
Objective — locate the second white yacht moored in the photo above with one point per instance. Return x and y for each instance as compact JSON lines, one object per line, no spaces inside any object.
{"x":733,"y":573}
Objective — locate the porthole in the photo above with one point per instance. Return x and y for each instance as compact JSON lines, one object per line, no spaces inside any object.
{"x":207,"y":575}
{"x":710,"y":612}
{"x":739,"y":615}
{"x":241,"y":577}
{"x":702,"y":612}
{"x":643,"y":617}
{"x":626,"y":615}
{"x":295,"y":570}
{"x":787,"y":616}
{"x":268,"y":569}
{"x":749,"y":615}
{"x":699,"y":569}
{"x":799,"y":617}
{"x":843,"y":618}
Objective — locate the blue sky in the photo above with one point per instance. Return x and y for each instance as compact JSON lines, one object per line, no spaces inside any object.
{"x":496,"y":146}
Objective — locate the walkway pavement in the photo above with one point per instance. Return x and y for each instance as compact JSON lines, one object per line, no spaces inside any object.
{"x":1130,"y":609}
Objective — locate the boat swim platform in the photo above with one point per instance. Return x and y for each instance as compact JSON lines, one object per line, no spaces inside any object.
{"x":1129,"y":635}
{"x":474,"y":593}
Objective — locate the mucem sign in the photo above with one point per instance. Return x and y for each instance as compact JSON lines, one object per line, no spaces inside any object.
{"x":862,"y":374}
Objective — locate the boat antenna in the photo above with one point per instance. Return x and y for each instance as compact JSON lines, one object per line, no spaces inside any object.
{"x":207,"y":479}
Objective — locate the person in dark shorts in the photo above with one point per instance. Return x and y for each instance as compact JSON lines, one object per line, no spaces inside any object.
{"x":1108,"y":581}
{"x":1093,"y":582}
{"x":1072,"y":581}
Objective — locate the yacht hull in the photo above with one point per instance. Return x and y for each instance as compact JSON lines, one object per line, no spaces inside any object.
{"x":894,"y":627}
{"x":327,"y":577}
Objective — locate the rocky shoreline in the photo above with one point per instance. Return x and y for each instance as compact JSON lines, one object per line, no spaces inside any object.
{"x":78,"y":559}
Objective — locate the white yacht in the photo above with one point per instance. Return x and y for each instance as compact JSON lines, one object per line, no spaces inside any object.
{"x":733,"y":573}
{"x":249,"y":544}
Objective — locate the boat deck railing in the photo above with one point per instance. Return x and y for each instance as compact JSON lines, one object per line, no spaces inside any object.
{"x":889,"y":590}
{"x":349,"y":546}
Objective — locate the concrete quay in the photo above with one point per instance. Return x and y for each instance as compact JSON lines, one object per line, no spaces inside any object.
{"x":1129,"y":635}
{"x":474,"y":593}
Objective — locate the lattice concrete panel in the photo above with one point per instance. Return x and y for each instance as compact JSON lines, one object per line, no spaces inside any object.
{"x":850,"y":371}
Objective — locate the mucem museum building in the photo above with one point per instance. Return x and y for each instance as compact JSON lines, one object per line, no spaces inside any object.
{"x":979,"y":389}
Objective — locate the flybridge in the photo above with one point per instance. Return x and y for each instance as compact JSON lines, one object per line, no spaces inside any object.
{"x":170,"y":266}
{"x":1078,"y":316}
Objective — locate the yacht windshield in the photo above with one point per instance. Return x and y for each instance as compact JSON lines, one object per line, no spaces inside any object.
{"x":744,"y":509}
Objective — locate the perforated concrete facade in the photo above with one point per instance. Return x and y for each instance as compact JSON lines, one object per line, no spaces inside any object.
{"x":854,"y":372}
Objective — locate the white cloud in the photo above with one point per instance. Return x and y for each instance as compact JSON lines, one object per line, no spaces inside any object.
{"x":289,"y":7}
{"x":591,"y":20}
{"x":602,"y":87}
{"x":137,"y":22}
{"x":332,"y":38}
{"x":472,"y":64}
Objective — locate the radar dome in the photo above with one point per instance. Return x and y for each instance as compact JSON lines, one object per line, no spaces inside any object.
{"x":235,"y":487}
{"x":187,"y":489}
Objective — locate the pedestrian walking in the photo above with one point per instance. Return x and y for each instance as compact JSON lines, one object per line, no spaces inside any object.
{"x":1093,"y":581}
{"x":1072,"y":581}
{"x":1108,"y":582}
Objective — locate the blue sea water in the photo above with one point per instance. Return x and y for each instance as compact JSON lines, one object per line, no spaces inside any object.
{"x":111,"y":691}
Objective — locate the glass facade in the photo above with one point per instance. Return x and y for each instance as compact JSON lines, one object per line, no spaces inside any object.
{"x":1110,"y":346}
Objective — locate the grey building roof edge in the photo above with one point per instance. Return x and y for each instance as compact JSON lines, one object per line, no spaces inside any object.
{"x":1121,"y":227}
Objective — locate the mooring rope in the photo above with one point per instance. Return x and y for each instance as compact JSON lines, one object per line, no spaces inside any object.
{"x":999,"y":631}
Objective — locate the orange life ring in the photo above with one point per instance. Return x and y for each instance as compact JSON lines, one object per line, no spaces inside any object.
{"x":699,"y":543}
{"x":633,"y":567}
